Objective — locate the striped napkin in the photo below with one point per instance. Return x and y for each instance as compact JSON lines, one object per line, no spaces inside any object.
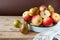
{"x":50,"y":34}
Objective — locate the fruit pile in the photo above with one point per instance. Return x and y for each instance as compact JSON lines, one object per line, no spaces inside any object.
{"x":42,"y":15}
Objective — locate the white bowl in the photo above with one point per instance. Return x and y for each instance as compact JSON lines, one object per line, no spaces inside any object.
{"x":39,"y":29}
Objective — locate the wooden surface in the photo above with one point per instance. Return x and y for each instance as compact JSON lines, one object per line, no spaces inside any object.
{"x":9,"y":32}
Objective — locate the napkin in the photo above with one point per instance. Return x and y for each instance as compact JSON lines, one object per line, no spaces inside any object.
{"x":50,"y":34}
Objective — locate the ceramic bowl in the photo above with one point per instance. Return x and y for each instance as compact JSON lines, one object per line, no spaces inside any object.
{"x":39,"y":29}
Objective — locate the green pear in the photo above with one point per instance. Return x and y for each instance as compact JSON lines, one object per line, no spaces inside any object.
{"x":24,"y":28}
{"x":51,"y":9}
{"x":17,"y":23}
{"x":33,"y":11}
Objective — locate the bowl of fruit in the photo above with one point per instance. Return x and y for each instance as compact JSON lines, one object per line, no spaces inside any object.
{"x":41,"y":18}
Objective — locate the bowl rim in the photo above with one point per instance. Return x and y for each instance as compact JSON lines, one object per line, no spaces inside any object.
{"x":42,"y":26}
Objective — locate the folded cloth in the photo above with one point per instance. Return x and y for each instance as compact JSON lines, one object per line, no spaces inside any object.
{"x":50,"y":34}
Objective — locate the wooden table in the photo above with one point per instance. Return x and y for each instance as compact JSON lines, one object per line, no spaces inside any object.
{"x":9,"y":32}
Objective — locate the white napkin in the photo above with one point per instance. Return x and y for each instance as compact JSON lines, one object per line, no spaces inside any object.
{"x":50,"y":34}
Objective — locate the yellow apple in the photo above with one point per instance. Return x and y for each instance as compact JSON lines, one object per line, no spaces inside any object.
{"x":45,"y":14}
{"x":36,"y":20}
{"x":55,"y":17}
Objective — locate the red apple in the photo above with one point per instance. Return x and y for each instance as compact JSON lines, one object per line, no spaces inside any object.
{"x":36,"y":20}
{"x":55,"y":17}
{"x":42,"y":7}
{"x":26,"y":16}
{"x":47,"y":22}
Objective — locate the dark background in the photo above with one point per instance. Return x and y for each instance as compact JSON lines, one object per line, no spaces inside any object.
{"x":17,"y":7}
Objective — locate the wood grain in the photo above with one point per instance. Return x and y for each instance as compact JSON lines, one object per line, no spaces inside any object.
{"x":9,"y":32}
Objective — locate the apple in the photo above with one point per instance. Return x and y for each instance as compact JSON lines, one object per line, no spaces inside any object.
{"x":55,"y":17}
{"x":50,"y":8}
{"x":47,"y":22}
{"x":45,"y":14}
{"x":42,"y":7}
{"x":33,"y":11}
{"x":36,"y":20}
{"x":26,"y":16}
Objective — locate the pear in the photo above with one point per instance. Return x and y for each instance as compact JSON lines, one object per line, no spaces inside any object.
{"x":50,"y":8}
{"x":17,"y":23}
{"x":24,"y":28}
{"x":33,"y":11}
